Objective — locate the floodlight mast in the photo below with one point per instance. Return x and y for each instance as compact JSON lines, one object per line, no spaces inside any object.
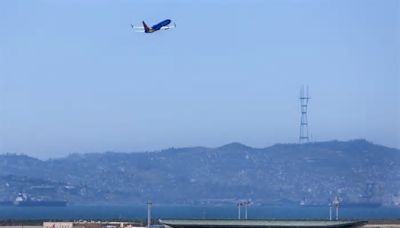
{"x":239,"y":204}
{"x":336,"y":203}
{"x":245,"y":204}
{"x":245,"y":211}
{"x":149,"y":204}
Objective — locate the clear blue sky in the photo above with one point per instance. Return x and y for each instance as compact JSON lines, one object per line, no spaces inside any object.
{"x":74,"y":77}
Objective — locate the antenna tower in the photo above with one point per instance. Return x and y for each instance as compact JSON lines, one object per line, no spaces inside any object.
{"x":304,"y":97}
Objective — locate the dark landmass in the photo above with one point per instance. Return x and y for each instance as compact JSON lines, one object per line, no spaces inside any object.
{"x":358,"y":171}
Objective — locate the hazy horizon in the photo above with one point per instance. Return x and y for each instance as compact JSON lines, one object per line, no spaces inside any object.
{"x":189,"y":146}
{"x":75,"y":78}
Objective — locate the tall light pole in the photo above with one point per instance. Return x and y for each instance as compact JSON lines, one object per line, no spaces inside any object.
{"x":336,"y":203}
{"x":239,"y":204}
{"x":149,"y":204}
{"x":245,"y":211}
{"x":246,"y":205}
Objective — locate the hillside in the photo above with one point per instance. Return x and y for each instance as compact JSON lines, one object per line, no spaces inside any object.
{"x":357,"y":170}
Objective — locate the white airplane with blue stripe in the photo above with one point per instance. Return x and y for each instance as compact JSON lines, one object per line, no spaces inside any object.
{"x":163,"y":25}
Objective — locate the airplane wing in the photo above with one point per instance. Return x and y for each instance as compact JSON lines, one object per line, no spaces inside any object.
{"x":168,"y":27}
{"x":137,"y":28}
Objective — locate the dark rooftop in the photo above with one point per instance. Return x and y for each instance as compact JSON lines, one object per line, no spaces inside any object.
{"x":207,"y":223}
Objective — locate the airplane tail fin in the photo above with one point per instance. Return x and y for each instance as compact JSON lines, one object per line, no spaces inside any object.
{"x":146,"y":28}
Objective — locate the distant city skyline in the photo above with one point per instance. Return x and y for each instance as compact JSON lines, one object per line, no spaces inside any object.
{"x":75,"y":78}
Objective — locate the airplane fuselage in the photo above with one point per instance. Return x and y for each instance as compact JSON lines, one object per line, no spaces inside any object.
{"x":161,"y":24}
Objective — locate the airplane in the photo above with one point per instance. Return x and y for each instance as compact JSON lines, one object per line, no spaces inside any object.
{"x":163,"y":25}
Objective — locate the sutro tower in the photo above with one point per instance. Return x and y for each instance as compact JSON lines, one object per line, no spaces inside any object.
{"x":304,"y":97}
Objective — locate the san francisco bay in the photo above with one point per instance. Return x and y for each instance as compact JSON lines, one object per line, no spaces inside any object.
{"x":196,"y":212}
